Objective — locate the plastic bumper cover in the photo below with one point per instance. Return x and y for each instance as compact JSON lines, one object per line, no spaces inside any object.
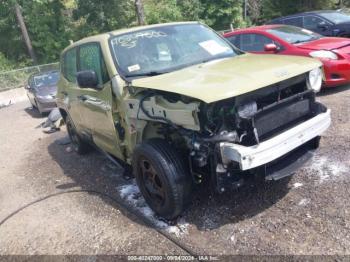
{"x":276,"y":147}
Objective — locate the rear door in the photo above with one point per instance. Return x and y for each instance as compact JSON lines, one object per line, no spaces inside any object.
{"x":296,"y":21}
{"x":97,"y":104}
{"x":69,"y":91}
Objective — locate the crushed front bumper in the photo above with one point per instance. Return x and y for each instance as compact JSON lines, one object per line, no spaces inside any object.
{"x":249,"y":157}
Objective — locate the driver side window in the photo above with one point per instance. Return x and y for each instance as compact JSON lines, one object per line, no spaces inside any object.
{"x":90,"y":58}
{"x":254,"y":42}
{"x":312,"y":22}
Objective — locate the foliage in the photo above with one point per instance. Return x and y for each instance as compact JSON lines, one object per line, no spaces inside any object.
{"x":275,"y":8}
{"x":5,"y":64}
{"x":12,"y":45}
{"x":47,"y":28}
{"x":219,"y":14}
{"x":94,"y":17}
{"x":52,"y":23}
{"x":162,"y":11}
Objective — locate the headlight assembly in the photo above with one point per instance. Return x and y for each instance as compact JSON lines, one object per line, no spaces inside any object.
{"x":314,"y":80}
{"x":324,"y":54}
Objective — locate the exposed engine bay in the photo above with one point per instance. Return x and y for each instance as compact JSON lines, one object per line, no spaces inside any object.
{"x":248,"y":120}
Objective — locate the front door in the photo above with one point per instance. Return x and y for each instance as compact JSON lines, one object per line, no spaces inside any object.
{"x":96,"y":104}
{"x":318,"y":25}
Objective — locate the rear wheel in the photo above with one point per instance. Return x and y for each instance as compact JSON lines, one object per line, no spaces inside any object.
{"x":163,"y":177}
{"x":79,"y":145}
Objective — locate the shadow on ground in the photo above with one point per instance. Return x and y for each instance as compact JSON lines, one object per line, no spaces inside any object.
{"x":34,"y":113}
{"x":333,"y":90}
{"x":206,"y":212}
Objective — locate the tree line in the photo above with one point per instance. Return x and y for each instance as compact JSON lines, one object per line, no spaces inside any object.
{"x":51,"y":24}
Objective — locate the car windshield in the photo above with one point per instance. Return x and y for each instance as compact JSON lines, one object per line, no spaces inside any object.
{"x":293,"y":34}
{"x":167,"y":48}
{"x":48,"y":79}
{"x":336,"y":17}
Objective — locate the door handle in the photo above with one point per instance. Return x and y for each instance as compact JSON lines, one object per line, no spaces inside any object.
{"x":90,"y":99}
{"x":64,"y":93}
{"x":82,"y":98}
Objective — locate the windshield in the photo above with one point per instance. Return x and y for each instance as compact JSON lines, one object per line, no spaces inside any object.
{"x":336,"y":17}
{"x":293,"y":34}
{"x":167,"y":48}
{"x":46,"y":79}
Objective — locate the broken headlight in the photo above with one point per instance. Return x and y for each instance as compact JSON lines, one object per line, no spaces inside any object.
{"x":314,"y":81}
{"x":247,"y":110}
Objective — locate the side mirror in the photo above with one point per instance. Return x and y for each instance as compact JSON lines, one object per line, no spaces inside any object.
{"x":27,"y":87}
{"x":87,"y":79}
{"x":271,"y":48}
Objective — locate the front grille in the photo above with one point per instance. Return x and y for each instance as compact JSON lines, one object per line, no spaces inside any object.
{"x":278,"y":118}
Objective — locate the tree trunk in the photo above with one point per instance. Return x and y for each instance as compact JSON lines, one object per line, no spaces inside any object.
{"x":140,"y":12}
{"x":25,"y":35}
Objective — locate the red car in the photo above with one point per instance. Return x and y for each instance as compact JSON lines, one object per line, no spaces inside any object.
{"x":334,"y":52}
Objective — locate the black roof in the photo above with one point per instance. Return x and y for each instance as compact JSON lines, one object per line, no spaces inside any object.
{"x":306,"y":13}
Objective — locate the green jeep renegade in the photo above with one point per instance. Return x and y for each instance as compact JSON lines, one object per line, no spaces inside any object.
{"x":178,"y":105}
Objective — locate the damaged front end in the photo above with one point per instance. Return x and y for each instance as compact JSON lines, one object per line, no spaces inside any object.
{"x":270,"y":131}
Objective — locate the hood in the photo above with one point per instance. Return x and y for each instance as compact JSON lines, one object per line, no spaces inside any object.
{"x":230,"y":77}
{"x":47,"y":90}
{"x":325,"y":43}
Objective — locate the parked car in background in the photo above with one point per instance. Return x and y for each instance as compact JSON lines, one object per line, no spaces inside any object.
{"x":42,"y":90}
{"x":334,"y":52}
{"x":327,"y":23}
{"x":181,"y":106}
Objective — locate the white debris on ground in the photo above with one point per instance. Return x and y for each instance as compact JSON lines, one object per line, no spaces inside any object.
{"x":233,"y":239}
{"x":296,"y":185}
{"x":304,"y":202}
{"x":3,"y":104}
{"x":327,"y":169}
{"x":12,"y":96}
{"x":132,"y":195}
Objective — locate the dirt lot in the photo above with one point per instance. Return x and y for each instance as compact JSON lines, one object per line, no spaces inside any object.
{"x":307,"y":214}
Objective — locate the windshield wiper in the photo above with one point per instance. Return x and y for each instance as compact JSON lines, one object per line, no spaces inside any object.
{"x":308,"y":40}
{"x":152,"y":73}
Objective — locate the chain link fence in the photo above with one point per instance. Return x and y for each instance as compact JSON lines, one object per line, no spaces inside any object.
{"x":18,"y":78}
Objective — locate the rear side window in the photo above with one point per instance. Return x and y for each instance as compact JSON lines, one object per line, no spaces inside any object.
{"x":90,"y":58}
{"x":69,"y":66}
{"x":296,"y":21}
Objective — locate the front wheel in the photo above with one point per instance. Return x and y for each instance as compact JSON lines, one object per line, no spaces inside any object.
{"x":163,"y":177}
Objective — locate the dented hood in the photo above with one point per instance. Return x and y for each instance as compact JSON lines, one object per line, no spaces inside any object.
{"x":230,"y":77}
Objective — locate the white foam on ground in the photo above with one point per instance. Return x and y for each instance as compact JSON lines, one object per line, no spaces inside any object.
{"x":296,"y":185}
{"x":327,"y":169}
{"x":304,"y":202}
{"x":132,"y":195}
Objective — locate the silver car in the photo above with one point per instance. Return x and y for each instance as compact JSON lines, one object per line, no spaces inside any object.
{"x":42,"y":90}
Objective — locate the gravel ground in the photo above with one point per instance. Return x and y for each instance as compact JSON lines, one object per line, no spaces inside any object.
{"x":306,"y":214}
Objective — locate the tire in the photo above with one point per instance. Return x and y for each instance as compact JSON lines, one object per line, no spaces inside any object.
{"x":79,"y":145}
{"x":163,"y":177}
{"x":37,"y":106}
